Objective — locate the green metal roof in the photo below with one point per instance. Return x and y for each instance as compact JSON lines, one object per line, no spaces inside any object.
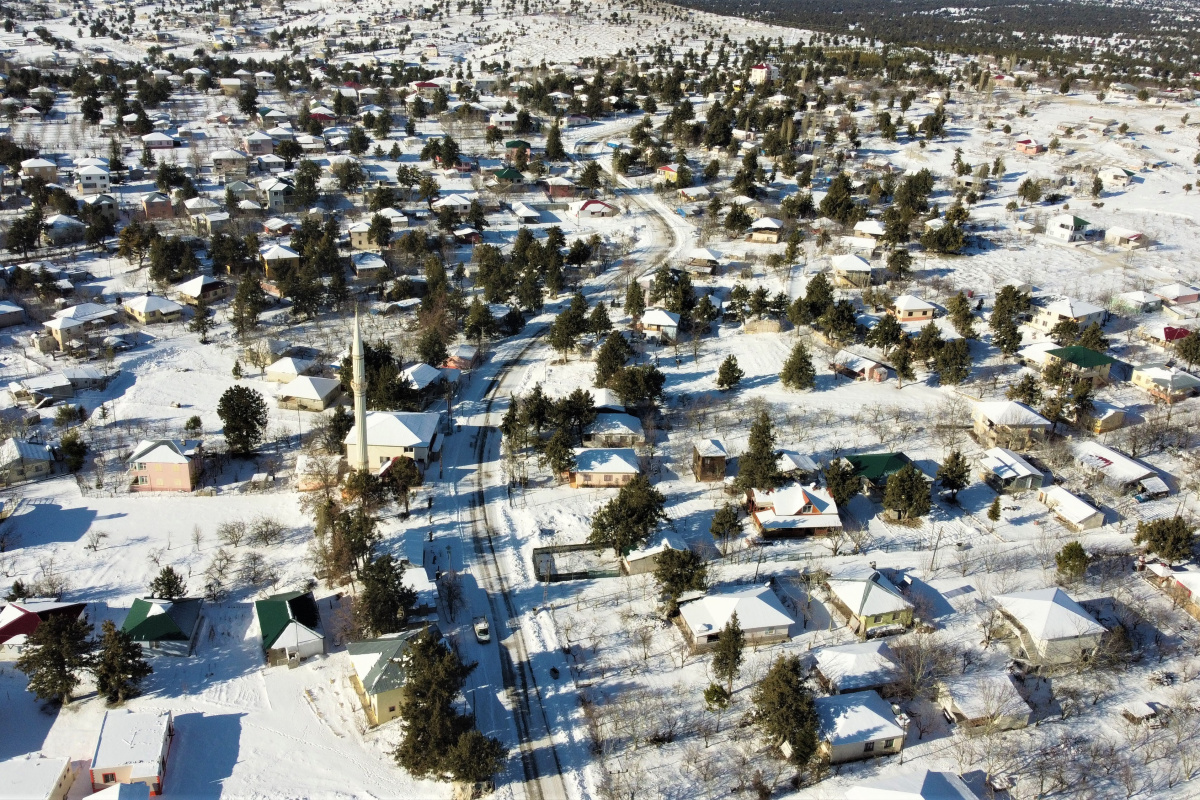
{"x":1082,"y":357}
{"x":278,"y":610}
{"x":510,"y":174}
{"x":388,"y":671}
{"x":511,"y":143}
{"x":173,"y":623}
{"x":874,"y":466}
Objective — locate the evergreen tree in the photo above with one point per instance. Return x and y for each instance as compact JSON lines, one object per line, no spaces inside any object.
{"x":902,"y":362}
{"x":725,"y":523}
{"x":598,"y":323}
{"x":1170,"y":539}
{"x":729,"y":375}
{"x":907,"y":493}
{"x":558,"y":455}
{"x":1093,"y":338}
{"x":798,"y":371}
{"x":611,"y":357}
{"x":886,"y":333}
{"x":248,"y":303}
{"x":954,"y":474}
{"x":1071,"y":561}
{"x":758,"y":467}
{"x":729,"y":652}
{"x":1026,"y":390}
{"x":1065,"y":332}
{"x":842,"y":482}
{"x":839,"y":321}
{"x":54,"y":655}
{"x":961,"y":316}
{"x":928,"y":343}
{"x":168,"y":584}
{"x":431,"y":348}
{"x":385,"y":602}
{"x":954,"y":362}
{"x":679,"y":571}
{"x":1007,"y":338}
{"x":785,"y":711}
{"x":626,"y":521}
{"x":554,"y":145}
{"x":993,"y":513}
{"x":475,"y":757}
{"x":1188,"y":348}
{"x":243,"y":412}
{"x":201,"y":321}
{"x":818,"y":295}
{"x":838,"y":203}
{"x":119,"y":667}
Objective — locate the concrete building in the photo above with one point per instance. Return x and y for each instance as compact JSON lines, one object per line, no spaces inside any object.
{"x":133,"y":748}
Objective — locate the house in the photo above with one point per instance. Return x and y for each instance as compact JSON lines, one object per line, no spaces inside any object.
{"x":907,"y":308}
{"x":983,"y":703}
{"x":1052,"y":628}
{"x":35,"y":777}
{"x":708,"y":460}
{"x":592,"y":208}
{"x":919,"y":785}
{"x":149,"y":309}
{"x":1056,"y":309}
{"x":59,"y":230}
{"x":763,"y":73}
{"x":560,"y":188}
{"x":667,"y":173}
{"x":793,"y":510}
{"x":856,"y":667}
{"x":278,"y":261}
{"x":1009,"y":424}
{"x":1028,"y":147}
{"x":159,"y":141}
{"x":197,"y":207}
{"x":873,"y":469}
{"x":1082,"y":363}
{"x":761,"y":617}
{"x":19,"y":618}
{"x":1168,"y":384}
{"x":855,"y":271}
{"x":23,"y":461}
{"x":1177,"y":294}
{"x":765,"y":230}
{"x":277,"y":193}
{"x":287,"y":369}
{"x":873,"y":605}
{"x":604,"y":467}
{"x":203,"y":289}
{"x":307,"y":393}
{"x":463,"y":357}
{"x":229,"y":163}
{"x":258,"y":144}
{"x":360,"y":238}
{"x":1125,"y":238}
{"x":290,"y":625}
{"x":1115,"y":177}
{"x":1066,"y":227}
{"x":398,"y":434}
{"x":40,"y":388}
{"x":1162,"y":334}
{"x":660,"y":324}
{"x":40,"y":168}
{"x":796,"y":466}
{"x":645,"y":559}
{"x":85,"y":378}
{"x":132,"y":748}
{"x":702,"y":260}
{"x":858,"y":725}
{"x":91,"y":180}
{"x":1005,"y":471}
{"x":104,"y":205}
{"x":869,"y":229}
{"x":515,"y":147}
{"x":211,"y":223}
{"x":1103,"y":417}
{"x":429,"y":381}
{"x":160,"y":465}
{"x":379,"y":672}
{"x":614,"y":430}
{"x":1115,"y":468}
{"x":164,"y":627}
{"x":231,"y":87}
{"x":1069,"y":509}
{"x":1137,"y":302}
{"x":11,"y":314}
{"x":858,"y":368}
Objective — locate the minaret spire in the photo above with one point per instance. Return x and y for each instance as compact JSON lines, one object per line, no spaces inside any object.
{"x":359,"y":385}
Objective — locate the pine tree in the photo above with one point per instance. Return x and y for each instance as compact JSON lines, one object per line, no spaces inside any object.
{"x":1027,"y":390}
{"x":168,"y":585}
{"x":818,"y":295}
{"x":599,"y":323}
{"x":725,"y":523}
{"x":243,"y":412}
{"x":554,"y":145}
{"x":676,"y":572}
{"x":611,"y":356}
{"x":993,"y":513}
{"x":1188,"y":348}
{"x":954,"y":362}
{"x":1071,"y":561}
{"x":1007,"y":338}
{"x":798,"y":371}
{"x":757,"y":467}
{"x":475,"y":757}
{"x":954,"y":474}
{"x":902,"y":362}
{"x":626,"y":521}
{"x":434,"y":676}
{"x":55,"y":653}
{"x":886,"y":334}
{"x":907,"y":493}
{"x":558,"y":455}
{"x":1093,"y":338}
{"x":201,"y":321}
{"x":928,"y":343}
{"x":961,"y":316}
{"x":385,"y":602}
{"x":1170,"y":539}
{"x":785,"y":711}
{"x":248,"y":303}
{"x":729,"y":652}
{"x":119,"y":667}
{"x":729,"y":375}
{"x":635,"y":301}
{"x":842,"y":482}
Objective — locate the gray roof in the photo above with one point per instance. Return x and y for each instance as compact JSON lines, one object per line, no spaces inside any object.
{"x":387,"y":672}
{"x":18,"y":449}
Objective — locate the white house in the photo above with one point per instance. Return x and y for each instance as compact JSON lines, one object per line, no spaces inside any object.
{"x":1052,"y":628}
{"x":132,"y":748}
{"x":858,"y":666}
{"x":761,"y":617}
{"x":1057,"y":309}
{"x":614,"y":430}
{"x":35,"y":777}
{"x":918,"y":785}
{"x":1125,"y":238}
{"x":660,"y":323}
{"x":592,"y":208}
{"x":1115,"y":468}
{"x":1071,"y":510}
{"x":287,"y":369}
{"x":93,"y":180}
{"x":855,"y":726}
{"x":607,"y":467}
{"x":983,"y":703}
{"x":398,"y":434}
{"x":1066,"y":227}
{"x":290,"y":624}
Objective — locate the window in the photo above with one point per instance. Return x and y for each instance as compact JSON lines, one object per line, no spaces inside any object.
{"x":888,"y":744}
{"x":391,"y":709}
{"x":608,"y":478}
{"x":110,"y":777}
{"x":868,"y":747}
{"x":878,"y":618}
{"x":143,"y":480}
{"x":141,"y":465}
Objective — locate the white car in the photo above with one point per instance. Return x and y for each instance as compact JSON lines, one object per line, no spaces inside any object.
{"x":482,"y":633}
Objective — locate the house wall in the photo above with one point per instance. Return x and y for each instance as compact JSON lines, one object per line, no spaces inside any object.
{"x":1065,"y":651}
{"x":378,"y":454}
{"x":125,"y":775}
{"x":606,"y":480}
{"x":612,"y":440}
{"x":1147,"y":384}
{"x":304,"y":404}
{"x":22,"y":470}
{"x":279,"y":655}
{"x":164,"y":477}
{"x":711,"y":468}
{"x":1011,"y":438}
{"x":842,"y":753}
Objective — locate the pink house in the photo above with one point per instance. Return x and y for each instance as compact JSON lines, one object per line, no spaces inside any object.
{"x":165,"y":465}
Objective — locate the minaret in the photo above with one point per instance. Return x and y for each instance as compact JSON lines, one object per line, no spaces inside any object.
{"x":359,"y":385}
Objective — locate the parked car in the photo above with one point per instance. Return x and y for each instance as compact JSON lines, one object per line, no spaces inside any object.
{"x":482,"y":633}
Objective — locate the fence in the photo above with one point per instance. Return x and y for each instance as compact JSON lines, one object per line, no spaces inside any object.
{"x":546,"y":566}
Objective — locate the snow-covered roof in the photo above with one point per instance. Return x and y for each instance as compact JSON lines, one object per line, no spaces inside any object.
{"x":151,"y":303}
{"x":656,"y":546}
{"x":854,"y":362}
{"x":132,"y":739}
{"x":1072,"y":308}
{"x":907,"y":302}
{"x":1115,"y":466}
{"x":31,"y":776}
{"x":289,"y":365}
{"x":711,"y":448}
{"x":625,"y":424}
{"x":164,"y":451}
{"x":703,"y":254}
{"x":422,"y":375}
{"x":1169,"y":378}
{"x":870,"y":227}
{"x":15,"y":449}
{"x":661,"y":317}
{"x":1175,"y":291}
{"x":859,"y":665}
{"x":851,"y":263}
{"x":757,"y":609}
{"x":196,"y":286}
{"x":858,"y":717}
{"x":1067,"y":505}
{"x":920,"y":785}
{"x":869,"y":596}
{"x":307,"y":387}
{"x":277,"y":251}
{"x":1011,"y":414}
{"x":398,"y":429}
{"x":607,"y":460}
{"x":1049,"y":614}
{"x":1006,"y":464}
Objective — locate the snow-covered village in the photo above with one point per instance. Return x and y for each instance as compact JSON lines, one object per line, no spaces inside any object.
{"x":560,"y":400}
